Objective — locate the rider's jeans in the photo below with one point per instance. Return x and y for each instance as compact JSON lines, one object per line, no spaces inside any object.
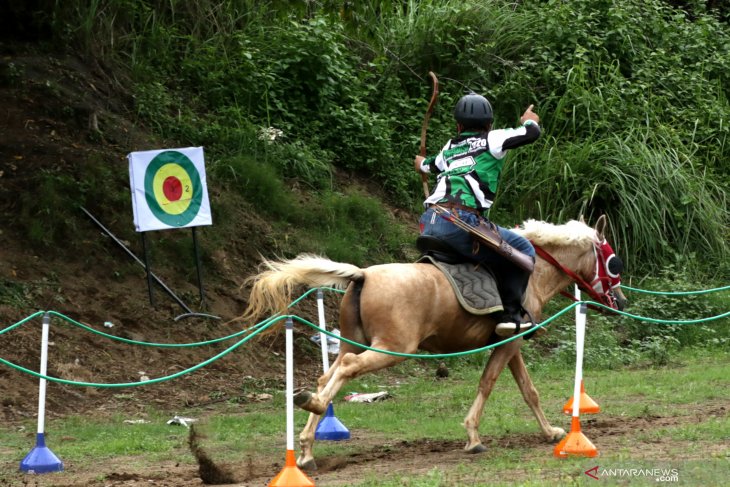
{"x":511,"y":279}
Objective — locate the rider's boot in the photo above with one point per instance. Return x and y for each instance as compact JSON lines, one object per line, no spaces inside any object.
{"x":512,"y":288}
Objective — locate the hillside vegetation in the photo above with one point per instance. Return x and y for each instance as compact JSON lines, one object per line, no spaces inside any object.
{"x":633,"y":97}
{"x":311,"y":112}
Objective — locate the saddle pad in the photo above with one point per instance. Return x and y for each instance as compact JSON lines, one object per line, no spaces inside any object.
{"x":475,"y":287}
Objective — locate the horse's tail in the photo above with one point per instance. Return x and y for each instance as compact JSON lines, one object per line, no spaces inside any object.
{"x":271,"y":290}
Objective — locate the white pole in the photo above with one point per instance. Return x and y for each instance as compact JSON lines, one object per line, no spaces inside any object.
{"x":322,"y":336}
{"x":580,"y":332}
{"x":44,"y":370}
{"x":577,"y":319}
{"x":289,"y":384}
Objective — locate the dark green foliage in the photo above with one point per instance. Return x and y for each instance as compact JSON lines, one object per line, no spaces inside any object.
{"x":259,"y":183}
{"x":633,"y":97}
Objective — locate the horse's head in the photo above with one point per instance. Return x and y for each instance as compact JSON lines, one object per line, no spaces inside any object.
{"x":582,"y":254}
{"x":607,"y":280}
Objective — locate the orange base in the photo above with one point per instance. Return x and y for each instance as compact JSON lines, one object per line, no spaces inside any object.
{"x":291,"y":476}
{"x":575,"y":443}
{"x":587,"y":405}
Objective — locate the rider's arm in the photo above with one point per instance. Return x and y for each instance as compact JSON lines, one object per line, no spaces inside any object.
{"x":502,"y":140}
{"x":434,"y":164}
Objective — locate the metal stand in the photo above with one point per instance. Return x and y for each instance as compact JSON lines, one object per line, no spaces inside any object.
{"x":198,"y":267}
{"x":147,"y":268}
{"x":150,"y":275}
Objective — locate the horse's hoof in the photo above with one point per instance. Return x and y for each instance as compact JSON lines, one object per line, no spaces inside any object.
{"x":302,"y":397}
{"x":558,"y":434}
{"x":309,"y":466}
{"x":479,"y":448}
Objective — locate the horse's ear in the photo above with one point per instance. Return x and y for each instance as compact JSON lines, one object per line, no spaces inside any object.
{"x":601,"y":227}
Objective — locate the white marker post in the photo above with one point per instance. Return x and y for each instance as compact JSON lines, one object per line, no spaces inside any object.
{"x":587,"y":404}
{"x":329,"y":427}
{"x":291,"y":475}
{"x":322,"y":335}
{"x":575,"y":442}
{"x":41,"y":459}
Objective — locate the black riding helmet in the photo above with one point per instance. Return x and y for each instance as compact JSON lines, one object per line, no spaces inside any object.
{"x":473,"y":111}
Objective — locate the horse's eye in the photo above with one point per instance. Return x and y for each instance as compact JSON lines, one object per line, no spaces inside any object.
{"x":614,"y":265}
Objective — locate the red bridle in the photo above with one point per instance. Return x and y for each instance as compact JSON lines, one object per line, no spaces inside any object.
{"x":604,"y":281}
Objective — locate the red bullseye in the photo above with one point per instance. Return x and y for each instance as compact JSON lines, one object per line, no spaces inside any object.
{"x":172,"y":188}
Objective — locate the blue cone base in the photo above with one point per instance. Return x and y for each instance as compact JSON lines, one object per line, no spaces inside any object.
{"x":330,"y":428}
{"x":41,"y":459}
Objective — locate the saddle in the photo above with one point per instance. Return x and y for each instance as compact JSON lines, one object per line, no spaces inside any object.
{"x":475,"y":287}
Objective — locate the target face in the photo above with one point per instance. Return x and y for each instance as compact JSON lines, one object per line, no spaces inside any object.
{"x":172,"y":188}
{"x":169,"y":189}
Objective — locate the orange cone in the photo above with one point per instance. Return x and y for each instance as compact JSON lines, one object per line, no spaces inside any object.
{"x":575,"y":443}
{"x":586,"y":404}
{"x":291,"y":476}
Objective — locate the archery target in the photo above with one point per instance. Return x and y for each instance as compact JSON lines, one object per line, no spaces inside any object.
{"x":169,"y":189}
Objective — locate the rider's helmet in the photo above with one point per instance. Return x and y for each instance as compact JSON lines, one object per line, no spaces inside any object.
{"x":473,"y":111}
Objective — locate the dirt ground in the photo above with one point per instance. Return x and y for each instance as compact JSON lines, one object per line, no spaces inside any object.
{"x":407,"y":458}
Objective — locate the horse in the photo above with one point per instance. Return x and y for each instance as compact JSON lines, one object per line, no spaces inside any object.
{"x":406,"y":307}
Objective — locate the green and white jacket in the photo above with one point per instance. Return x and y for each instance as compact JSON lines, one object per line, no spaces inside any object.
{"x":468,"y":167}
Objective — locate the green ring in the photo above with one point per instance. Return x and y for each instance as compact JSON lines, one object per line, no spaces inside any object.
{"x":183,"y":161}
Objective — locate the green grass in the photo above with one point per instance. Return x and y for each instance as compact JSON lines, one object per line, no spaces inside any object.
{"x":423,"y":407}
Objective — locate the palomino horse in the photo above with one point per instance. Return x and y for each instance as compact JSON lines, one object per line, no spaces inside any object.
{"x":407,"y":307}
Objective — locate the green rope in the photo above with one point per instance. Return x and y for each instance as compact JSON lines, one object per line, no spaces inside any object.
{"x":151,"y":381}
{"x":162,"y":345}
{"x":37,"y":313}
{"x":271,"y":321}
{"x":153,"y":344}
{"x":663,"y":322}
{"x":441,"y":355}
{"x":507,"y":340}
{"x":675,"y":293}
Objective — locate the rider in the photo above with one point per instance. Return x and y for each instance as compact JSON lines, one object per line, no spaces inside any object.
{"x":467,"y":173}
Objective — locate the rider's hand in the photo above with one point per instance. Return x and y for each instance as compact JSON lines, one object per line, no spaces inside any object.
{"x":417,"y":163}
{"x":529,"y":115}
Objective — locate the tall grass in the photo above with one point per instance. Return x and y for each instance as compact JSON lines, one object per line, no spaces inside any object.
{"x":633,"y":98}
{"x":663,"y":206}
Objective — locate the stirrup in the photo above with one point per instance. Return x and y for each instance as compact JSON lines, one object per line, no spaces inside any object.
{"x":509,"y":329}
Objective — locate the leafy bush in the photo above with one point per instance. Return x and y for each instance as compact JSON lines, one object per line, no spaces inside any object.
{"x":633,"y":98}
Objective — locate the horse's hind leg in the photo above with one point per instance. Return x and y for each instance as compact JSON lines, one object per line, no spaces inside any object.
{"x":306,"y":437}
{"x":499,"y":358}
{"x":532,"y":398}
{"x":351,"y":366}
{"x":306,"y":442}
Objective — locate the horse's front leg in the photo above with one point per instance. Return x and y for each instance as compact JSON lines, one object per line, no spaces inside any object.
{"x":499,"y":358}
{"x":351,"y":366}
{"x":532,"y":398}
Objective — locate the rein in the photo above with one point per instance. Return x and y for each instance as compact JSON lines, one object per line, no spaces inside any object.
{"x":424,"y":127}
{"x":582,"y":284}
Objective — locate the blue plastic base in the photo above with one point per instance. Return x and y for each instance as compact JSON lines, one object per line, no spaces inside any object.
{"x":330,"y":428}
{"x":41,"y":459}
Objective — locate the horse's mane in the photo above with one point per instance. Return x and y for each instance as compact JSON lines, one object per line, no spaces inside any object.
{"x":543,"y":233}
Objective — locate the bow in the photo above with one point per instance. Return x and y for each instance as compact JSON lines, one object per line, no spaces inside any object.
{"x":424,"y":127}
